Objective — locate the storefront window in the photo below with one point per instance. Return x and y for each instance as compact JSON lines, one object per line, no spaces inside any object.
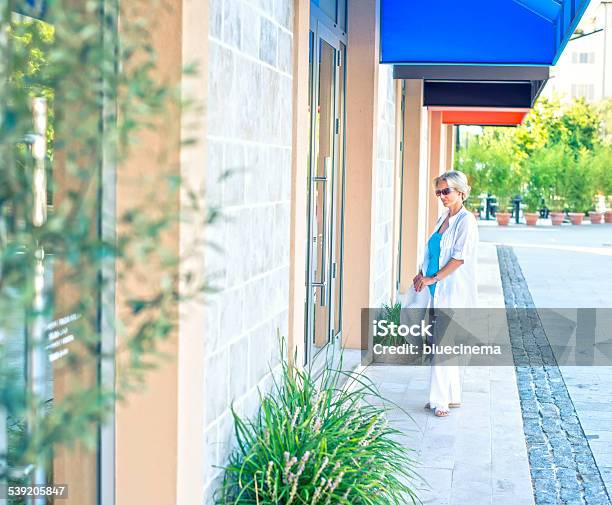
{"x":49,"y":294}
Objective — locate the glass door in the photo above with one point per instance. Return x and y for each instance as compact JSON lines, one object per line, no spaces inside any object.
{"x":326,"y":190}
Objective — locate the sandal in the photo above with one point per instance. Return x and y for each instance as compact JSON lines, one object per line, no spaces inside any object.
{"x":450,"y":405}
{"x":441,"y":412}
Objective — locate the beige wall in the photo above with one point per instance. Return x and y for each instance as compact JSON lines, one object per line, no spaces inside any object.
{"x":190,"y":456}
{"x":146,"y":423}
{"x":159,"y":430}
{"x":299,"y":172}
{"x":361,"y":106}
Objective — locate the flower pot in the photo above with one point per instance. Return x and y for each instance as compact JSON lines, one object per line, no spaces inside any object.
{"x":556,"y":217}
{"x":595,"y":217}
{"x":531,"y":218}
{"x":576,"y":217}
{"x":503,"y":218}
{"x":608,"y":216}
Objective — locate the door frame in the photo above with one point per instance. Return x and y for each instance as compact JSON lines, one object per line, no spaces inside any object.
{"x":320,"y":30}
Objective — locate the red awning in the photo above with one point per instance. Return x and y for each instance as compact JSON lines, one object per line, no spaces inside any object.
{"x":481,"y":115}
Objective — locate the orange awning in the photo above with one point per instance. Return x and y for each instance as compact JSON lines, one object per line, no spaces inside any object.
{"x":481,"y":115}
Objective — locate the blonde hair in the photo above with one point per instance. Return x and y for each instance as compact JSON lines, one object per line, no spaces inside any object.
{"x":456,"y":180}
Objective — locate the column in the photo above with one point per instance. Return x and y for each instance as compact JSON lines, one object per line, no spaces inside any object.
{"x":416,"y":185}
{"x":361,"y":104}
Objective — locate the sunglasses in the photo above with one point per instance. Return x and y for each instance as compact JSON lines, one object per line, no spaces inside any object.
{"x":445,"y":191}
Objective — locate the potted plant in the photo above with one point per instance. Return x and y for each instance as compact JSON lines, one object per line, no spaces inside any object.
{"x":502,"y":176}
{"x":502,"y":215}
{"x":579,"y":202}
{"x":556,"y":202}
{"x":532,"y":207}
{"x":557,"y":213}
{"x":595,"y":216}
{"x":546,"y":174}
{"x":576,"y":217}
{"x":556,"y":217}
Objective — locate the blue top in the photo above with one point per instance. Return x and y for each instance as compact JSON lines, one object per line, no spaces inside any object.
{"x":433,"y":248}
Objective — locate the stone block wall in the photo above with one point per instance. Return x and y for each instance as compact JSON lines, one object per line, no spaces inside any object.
{"x":248,"y":178}
{"x":382,"y":258}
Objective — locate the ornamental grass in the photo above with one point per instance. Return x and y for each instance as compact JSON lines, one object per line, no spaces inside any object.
{"x":324,"y":440}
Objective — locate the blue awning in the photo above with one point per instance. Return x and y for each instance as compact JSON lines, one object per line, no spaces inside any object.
{"x":477,"y":32}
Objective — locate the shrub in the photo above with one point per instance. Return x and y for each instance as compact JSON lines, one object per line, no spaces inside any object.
{"x":490,"y":163}
{"x":546,"y":172}
{"x":578,"y":183}
{"x":532,"y":201}
{"x":503,"y":204}
{"x":314,"y":442}
{"x":390,"y":313}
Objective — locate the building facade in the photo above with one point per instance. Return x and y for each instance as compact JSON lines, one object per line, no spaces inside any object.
{"x":311,"y":132}
{"x":320,"y":160}
{"x":584,"y":69}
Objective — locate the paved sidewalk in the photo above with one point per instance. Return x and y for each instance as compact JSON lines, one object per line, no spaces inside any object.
{"x":477,"y":455}
{"x":563,"y":469}
{"x":569,"y":266}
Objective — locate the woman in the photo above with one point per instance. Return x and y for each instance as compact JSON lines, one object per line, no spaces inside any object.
{"x":450,"y":276}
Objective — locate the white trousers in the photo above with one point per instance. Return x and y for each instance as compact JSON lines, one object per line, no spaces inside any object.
{"x":444,"y":383}
{"x":444,"y":386}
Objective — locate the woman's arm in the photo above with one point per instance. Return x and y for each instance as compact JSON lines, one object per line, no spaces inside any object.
{"x":452,"y":265}
{"x":464,"y":245}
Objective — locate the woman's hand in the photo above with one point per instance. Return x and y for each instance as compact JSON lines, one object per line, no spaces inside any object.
{"x":422,"y":282}
{"x":416,"y":280}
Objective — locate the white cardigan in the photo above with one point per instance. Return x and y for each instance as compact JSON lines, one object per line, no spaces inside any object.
{"x":459,"y":241}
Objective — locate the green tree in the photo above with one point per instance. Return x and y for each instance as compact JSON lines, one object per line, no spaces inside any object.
{"x":545,"y":156}
{"x":580,"y":127}
{"x":533,"y":133}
